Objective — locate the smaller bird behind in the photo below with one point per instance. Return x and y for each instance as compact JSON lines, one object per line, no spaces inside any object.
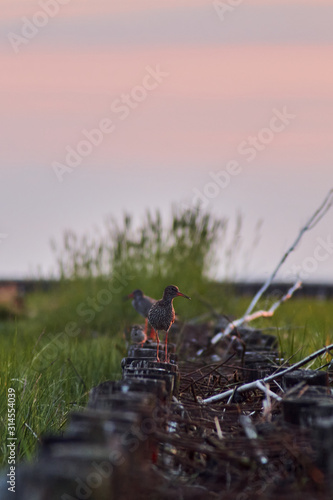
{"x":138,"y":335}
{"x":142,"y":303}
{"x":162,"y":314}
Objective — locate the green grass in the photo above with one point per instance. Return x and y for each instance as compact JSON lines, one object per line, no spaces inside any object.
{"x":48,"y":389}
{"x":302,"y":325}
{"x":305,"y":325}
{"x":72,"y":337}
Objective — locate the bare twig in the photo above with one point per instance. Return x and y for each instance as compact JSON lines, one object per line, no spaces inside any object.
{"x":32,"y":432}
{"x":209,"y":373}
{"x":257,"y":314}
{"x":270,"y":312}
{"x":218,"y":428}
{"x":252,"y":435}
{"x":267,"y":391}
{"x":314,"y":219}
{"x":253,"y":385}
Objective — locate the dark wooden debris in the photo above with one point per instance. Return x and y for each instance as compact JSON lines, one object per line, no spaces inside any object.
{"x":148,"y":437}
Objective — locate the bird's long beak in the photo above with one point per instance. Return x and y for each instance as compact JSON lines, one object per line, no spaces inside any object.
{"x":183,"y":295}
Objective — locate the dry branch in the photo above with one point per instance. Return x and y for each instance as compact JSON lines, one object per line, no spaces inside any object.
{"x":267,"y":391}
{"x":311,"y":223}
{"x":253,"y":385}
{"x":314,"y":219}
{"x":257,"y":314}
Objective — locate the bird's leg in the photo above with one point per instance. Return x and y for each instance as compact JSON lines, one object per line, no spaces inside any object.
{"x":146,"y":325}
{"x":152,"y":335}
{"x":158,"y":346}
{"x":166,"y":348}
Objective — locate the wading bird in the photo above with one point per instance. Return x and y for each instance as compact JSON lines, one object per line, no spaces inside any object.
{"x":161,"y":315}
{"x":142,"y":303}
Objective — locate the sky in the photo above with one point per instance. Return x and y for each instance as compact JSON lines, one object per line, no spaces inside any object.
{"x":109,"y":107}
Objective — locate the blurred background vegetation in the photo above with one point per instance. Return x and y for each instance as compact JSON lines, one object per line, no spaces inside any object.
{"x":71,"y":336}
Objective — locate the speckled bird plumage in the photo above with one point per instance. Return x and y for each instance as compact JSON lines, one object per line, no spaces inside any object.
{"x":162,"y":314}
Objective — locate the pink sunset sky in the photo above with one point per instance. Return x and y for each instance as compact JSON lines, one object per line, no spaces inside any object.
{"x":210,"y":84}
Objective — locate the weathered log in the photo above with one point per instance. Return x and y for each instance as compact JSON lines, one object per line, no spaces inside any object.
{"x":303,"y":405}
{"x":149,"y":350}
{"x":323,"y":442}
{"x":258,"y":365}
{"x":110,"y":387}
{"x":154,"y":374}
{"x":310,"y":377}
